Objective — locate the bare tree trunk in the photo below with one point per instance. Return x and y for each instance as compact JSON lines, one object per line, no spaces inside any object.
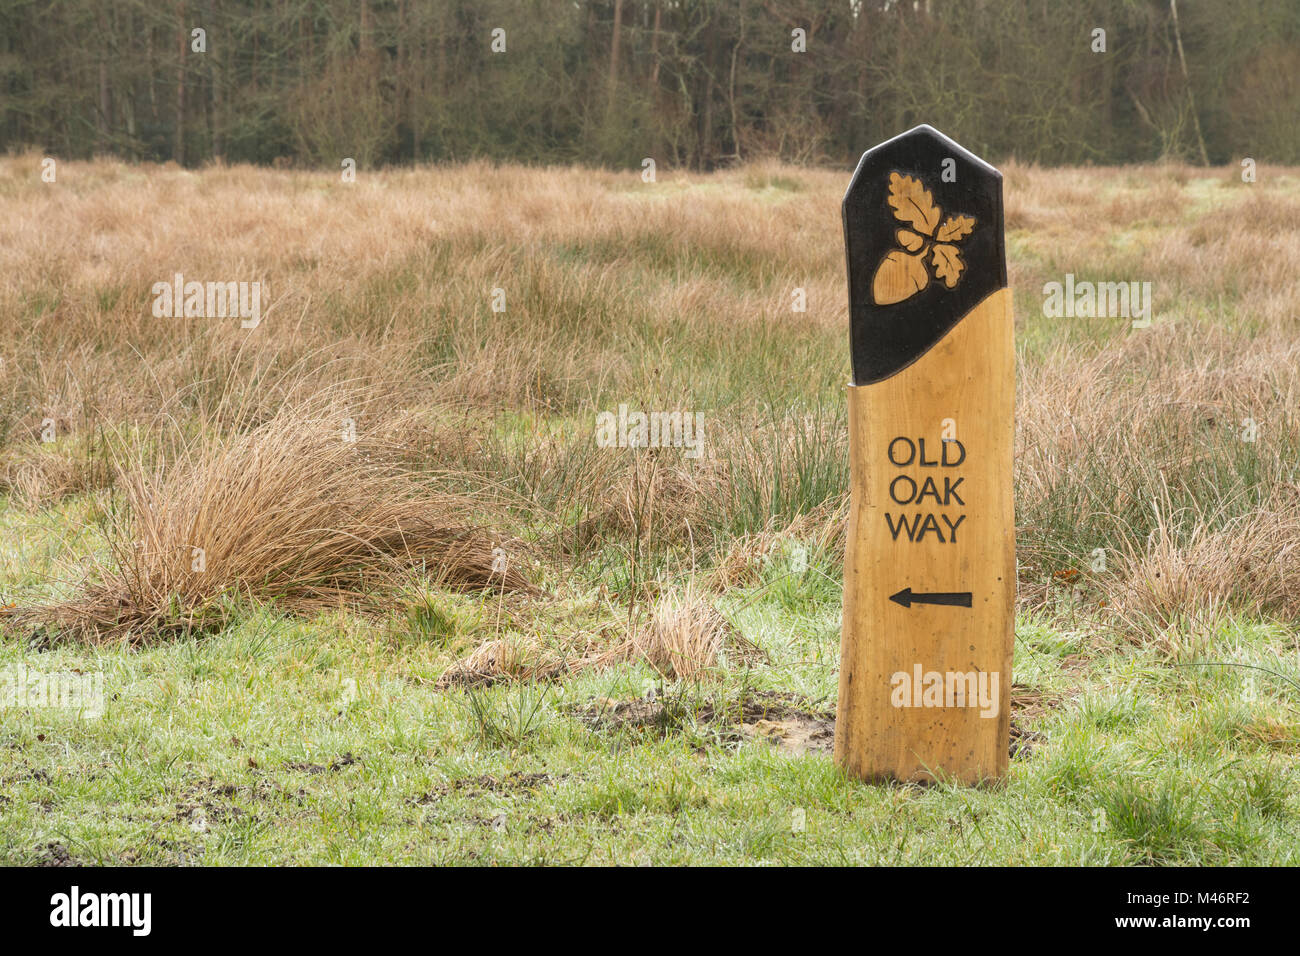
{"x":252,"y":78}
{"x":442,"y":58}
{"x":127,"y":99}
{"x":731,"y":84}
{"x":178,"y":145}
{"x":706,"y":118}
{"x":153,"y":86}
{"x":403,"y":80}
{"x":309,"y":51}
{"x":103,"y":120}
{"x":218,"y":117}
{"x":654,"y":47}
{"x":105,"y":106}
{"x":613,"y":48}
{"x":863,"y":30}
{"x":1191,"y":99}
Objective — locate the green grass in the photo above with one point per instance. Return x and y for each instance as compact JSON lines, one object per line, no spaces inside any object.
{"x":325,"y":741}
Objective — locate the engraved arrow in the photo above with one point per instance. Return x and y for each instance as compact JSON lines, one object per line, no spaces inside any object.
{"x":906,"y":598}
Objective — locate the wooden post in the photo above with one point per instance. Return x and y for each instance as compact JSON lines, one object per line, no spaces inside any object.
{"x":929,"y":571}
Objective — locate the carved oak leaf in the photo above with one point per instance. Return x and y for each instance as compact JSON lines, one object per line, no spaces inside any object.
{"x":947,"y":263}
{"x":954,"y":228}
{"x":899,"y":276}
{"x":912,"y":203}
{"x":909,"y":240}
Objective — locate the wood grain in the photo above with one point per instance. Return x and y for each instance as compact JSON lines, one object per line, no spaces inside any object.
{"x":967,"y":376}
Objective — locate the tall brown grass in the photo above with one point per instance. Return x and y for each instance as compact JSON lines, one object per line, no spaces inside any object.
{"x":292,"y":511}
{"x":672,"y":295}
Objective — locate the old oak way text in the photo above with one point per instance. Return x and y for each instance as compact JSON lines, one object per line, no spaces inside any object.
{"x":905,"y":490}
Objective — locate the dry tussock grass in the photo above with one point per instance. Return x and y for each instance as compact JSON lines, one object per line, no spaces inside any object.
{"x":1251,"y":564}
{"x":289,"y":512}
{"x":502,"y":660}
{"x":820,"y":532}
{"x":670,"y":295}
{"x":686,"y":638}
{"x":36,"y":475}
{"x":1105,"y":453}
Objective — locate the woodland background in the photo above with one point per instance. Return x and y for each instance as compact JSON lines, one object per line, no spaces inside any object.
{"x":693,"y":83}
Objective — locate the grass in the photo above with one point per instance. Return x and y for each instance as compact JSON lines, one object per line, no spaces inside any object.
{"x":250,"y":747}
{"x":346,"y":682}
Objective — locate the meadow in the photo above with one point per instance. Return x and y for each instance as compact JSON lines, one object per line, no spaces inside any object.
{"x":362,"y":586}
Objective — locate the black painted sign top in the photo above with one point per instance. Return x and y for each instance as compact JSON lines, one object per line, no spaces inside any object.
{"x":923,"y":237}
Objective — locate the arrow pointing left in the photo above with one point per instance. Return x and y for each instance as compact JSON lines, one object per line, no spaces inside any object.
{"x":906,"y":598}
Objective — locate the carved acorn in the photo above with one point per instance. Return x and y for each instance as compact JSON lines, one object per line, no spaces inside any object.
{"x":902,"y":274}
{"x":898,"y":277}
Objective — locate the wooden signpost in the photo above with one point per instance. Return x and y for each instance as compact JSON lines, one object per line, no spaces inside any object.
{"x":929,"y":572}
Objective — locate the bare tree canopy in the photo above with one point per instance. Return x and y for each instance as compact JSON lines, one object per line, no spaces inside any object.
{"x":688,"y":82}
